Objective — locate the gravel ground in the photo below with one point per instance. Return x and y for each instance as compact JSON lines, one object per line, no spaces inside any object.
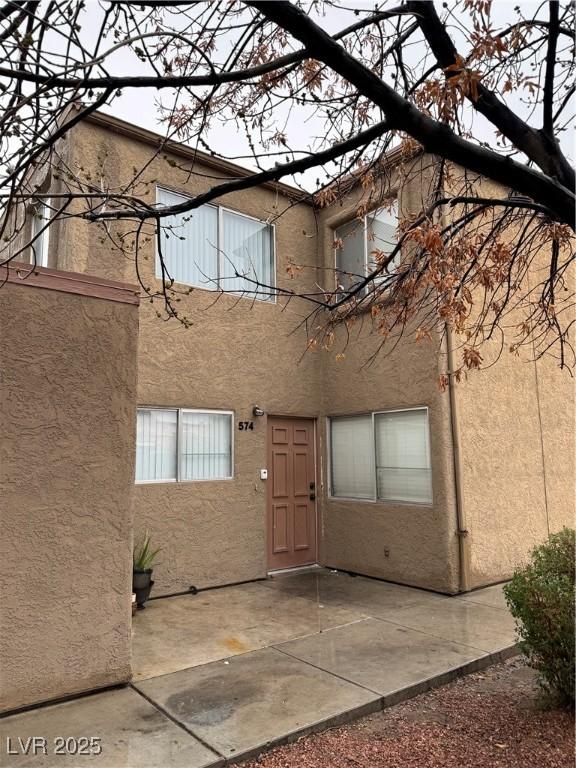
{"x":494,"y":718}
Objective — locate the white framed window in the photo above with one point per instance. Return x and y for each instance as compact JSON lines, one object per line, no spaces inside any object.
{"x":352,"y":457}
{"x":381,"y":456}
{"x":214,"y":248}
{"x":358,"y":240}
{"x":39,"y":237}
{"x":183,"y":444}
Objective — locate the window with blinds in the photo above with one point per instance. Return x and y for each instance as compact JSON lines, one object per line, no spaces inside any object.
{"x":403,"y":471}
{"x":361,"y":243}
{"x":381,"y":456}
{"x":182,"y":444}
{"x":216,"y":249}
{"x":352,"y":457}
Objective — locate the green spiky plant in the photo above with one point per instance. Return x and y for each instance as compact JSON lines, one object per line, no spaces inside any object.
{"x":144,"y":557}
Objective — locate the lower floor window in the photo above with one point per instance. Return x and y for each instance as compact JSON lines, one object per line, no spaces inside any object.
{"x":178,"y":444}
{"x":383,"y":455}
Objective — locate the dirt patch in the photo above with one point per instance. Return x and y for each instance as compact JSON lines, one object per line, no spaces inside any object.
{"x":494,"y":719}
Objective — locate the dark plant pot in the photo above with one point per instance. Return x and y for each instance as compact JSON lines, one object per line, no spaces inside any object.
{"x":141,"y":586}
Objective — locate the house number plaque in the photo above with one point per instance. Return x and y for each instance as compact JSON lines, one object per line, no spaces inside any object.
{"x":244,"y":425}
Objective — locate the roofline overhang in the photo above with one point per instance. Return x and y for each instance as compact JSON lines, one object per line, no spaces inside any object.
{"x":124,"y":128}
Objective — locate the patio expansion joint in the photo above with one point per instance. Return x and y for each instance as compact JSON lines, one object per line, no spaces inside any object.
{"x":326,"y":671}
{"x":447,"y":639}
{"x":221,"y":759}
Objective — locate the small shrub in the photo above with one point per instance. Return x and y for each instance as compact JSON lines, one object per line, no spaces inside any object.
{"x":541,"y":599}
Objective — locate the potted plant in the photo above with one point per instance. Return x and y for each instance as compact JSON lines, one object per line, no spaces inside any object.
{"x":143,"y":559}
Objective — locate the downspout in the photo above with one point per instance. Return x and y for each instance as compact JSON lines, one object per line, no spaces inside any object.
{"x":461,"y":530}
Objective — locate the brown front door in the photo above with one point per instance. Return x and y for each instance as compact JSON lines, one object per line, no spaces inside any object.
{"x":291,"y":493}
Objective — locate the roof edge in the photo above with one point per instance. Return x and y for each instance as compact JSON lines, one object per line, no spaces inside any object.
{"x":18,"y":273}
{"x":123,"y":127}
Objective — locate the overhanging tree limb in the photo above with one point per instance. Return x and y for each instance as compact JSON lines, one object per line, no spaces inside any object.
{"x":528,"y":140}
{"x":548,"y":98}
{"x":402,"y":115}
{"x":255,"y":179}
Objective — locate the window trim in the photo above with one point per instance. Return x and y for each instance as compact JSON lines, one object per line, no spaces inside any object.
{"x":40,"y":231}
{"x":220,"y":209}
{"x":364,"y":220}
{"x":179,"y":439}
{"x":375,"y":499}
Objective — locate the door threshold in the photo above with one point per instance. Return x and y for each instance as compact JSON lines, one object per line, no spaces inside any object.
{"x":295,"y":569}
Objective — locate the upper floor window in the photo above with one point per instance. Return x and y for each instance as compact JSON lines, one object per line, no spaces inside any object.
{"x":39,"y":233}
{"x":384,"y":456}
{"x":357,"y":241}
{"x":217,"y":249}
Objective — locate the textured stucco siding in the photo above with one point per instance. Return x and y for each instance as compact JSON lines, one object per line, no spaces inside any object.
{"x":237,"y":354}
{"x":214,"y":532}
{"x":240,"y":353}
{"x":517,"y":439}
{"x":68,"y":394}
{"x":409,"y":543}
{"x":516,"y":423}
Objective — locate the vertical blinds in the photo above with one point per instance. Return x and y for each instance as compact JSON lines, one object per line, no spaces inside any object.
{"x":382,"y":456}
{"x":205,"y":446}
{"x":208,"y":246}
{"x":189,"y":243}
{"x":247,"y":250}
{"x":381,"y":235}
{"x":403,"y":456}
{"x":41,"y":239}
{"x":354,"y":259}
{"x":351,"y":256}
{"x":183,"y":445}
{"x":352,"y":457}
{"x":156,"y":445}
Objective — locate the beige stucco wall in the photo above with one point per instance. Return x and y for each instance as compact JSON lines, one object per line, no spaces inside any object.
{"x":237,"y":354}
{"x":240,"y":353}
{"x":409,"y":543}
{"x":516,"y":431}
{"x":516,"y":425}
{"x":67,"y":407}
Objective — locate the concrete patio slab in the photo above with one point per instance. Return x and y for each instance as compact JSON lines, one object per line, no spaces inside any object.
{"x":367,"y":596}
{"x":180,"y":632}
{"x":492,"y":596}
{"x":263,"y":663}
{"x":381,"y":656}
{"x":131,"y":731}
{"x":459,"y":621}
{"x":259,"y":698}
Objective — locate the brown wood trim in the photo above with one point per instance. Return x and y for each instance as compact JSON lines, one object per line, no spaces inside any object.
{"x":68,"y":282}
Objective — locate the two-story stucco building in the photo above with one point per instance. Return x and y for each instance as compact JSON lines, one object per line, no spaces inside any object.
{"x":253,"y":454}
